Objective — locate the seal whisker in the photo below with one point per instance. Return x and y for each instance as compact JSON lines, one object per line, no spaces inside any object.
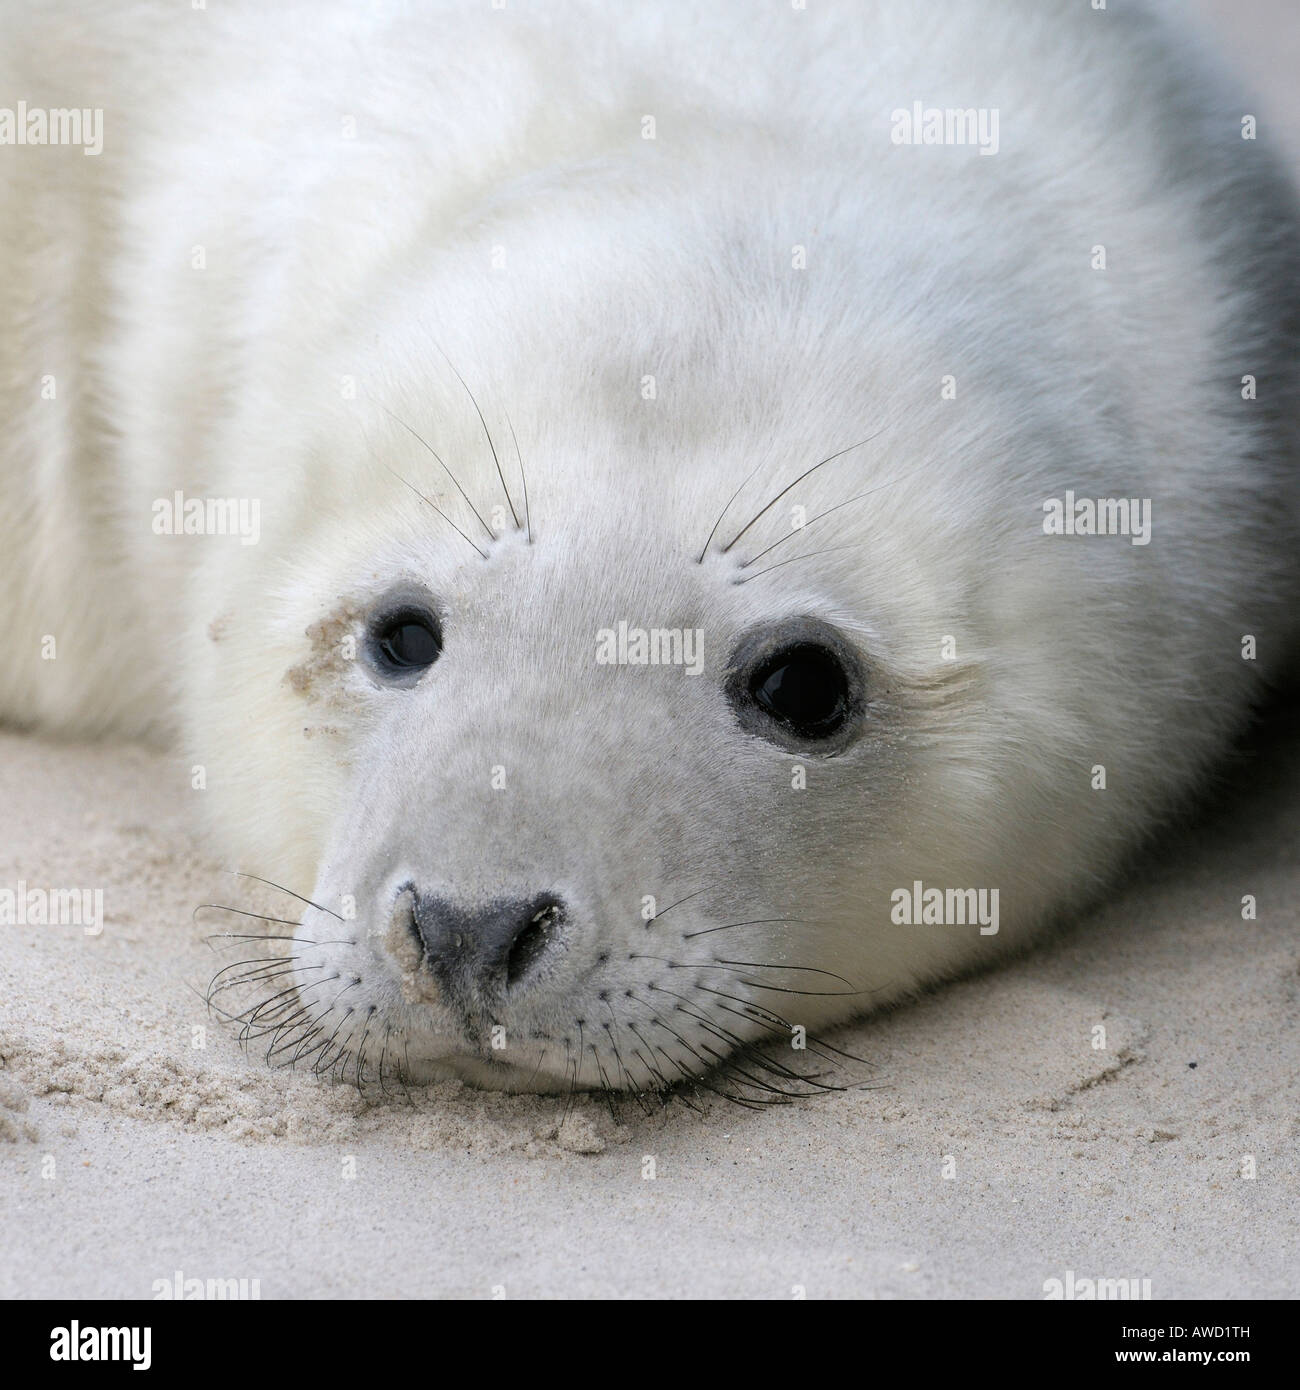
{"x":239,"y":873}
{"x":756,"y":922}
{"x":325,"y":1062}
{"x":606,"y":1089}
{"x":781,"y":1028}
{"x":299,"y":1017}
{"x":261,"y":936}
{"x":622,"y":1066}
{"x":319,"y":1063}
{"x":653,"y":1095}
{"x":257,"y":978}
{"x":486,"y":432}
{"x":676,"y":1090}
{"x":253,"y":974}
{"x":823,"y":1047}
{"x":658,"y":1022}
{"x":779,"y":1034}
{"x":338,"y":1067}
{"x":780,"y":540}
{"x":254,"y":963}
{"x":251,"y":1021}
{"x":740,"y":1044}
{"x":656,"y":1072}
{"x":808,"y":555}
{"x":709,"y":1064}
{"x":430,"y":503}
{"x":726,"y":1065}
{"x":388,"y":1033}
{"x":538,"y":1067}
{"x":729,"y":1061}
{"x":523,"y":478}
{"x":687,"y":1076}
{"x":294,"y":1028}
{"x":243,"y":912}
{"x":303,"y":1050}
{"x":361,"y":1051}
{"x":302,"y":990}
{"x":649,"y":1065}
{"x":415,"y":434}
{"x":738,"y":1047}
{"x":573,"y":1084}
{"x":725,"y":510}
{"x":577,"y":1070}
{"x":308,"y":1027}
{"x":726,"y":1095}
{"x":753,"y":965}
{"x":813,"y":993}
{"x":804,"y":969}
{"x":749,"y":1003}
{"x":718,"y":1071}
{"x":830,"y":458}
{"x":659,"y":916}
{"x":228,"y":1017}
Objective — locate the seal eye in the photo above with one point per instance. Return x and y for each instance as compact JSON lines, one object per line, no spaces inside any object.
{"x":406,"y":642}
{"x":805,"y":688}
{"x":800,"y":684}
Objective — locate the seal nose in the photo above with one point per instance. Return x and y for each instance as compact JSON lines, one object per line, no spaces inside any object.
{"x":490,"y":948}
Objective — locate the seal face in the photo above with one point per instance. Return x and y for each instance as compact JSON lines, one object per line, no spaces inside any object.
{"x":717,"y":559}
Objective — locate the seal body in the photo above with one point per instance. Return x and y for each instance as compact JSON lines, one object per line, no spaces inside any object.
{"x":946,"y":354}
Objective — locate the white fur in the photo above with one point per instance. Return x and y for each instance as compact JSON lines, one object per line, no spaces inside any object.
{"x":349,"y":174}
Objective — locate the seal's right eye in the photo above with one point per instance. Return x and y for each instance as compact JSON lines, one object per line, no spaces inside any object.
{"x":405,"y":643}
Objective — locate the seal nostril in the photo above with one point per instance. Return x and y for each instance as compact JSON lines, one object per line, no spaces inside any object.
{"x":531,"y":943}
{"x":478,"y":952}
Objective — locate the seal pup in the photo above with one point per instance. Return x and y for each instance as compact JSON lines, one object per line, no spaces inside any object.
{"x":681,"y":526}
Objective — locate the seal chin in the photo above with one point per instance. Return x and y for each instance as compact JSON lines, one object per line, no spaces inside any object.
{"x":483,"y":1073}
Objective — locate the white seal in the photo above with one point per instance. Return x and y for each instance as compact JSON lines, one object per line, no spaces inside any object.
{"x":670,"y":527}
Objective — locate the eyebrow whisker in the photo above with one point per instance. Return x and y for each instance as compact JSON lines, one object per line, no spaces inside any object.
{"x":488,"y":433}
{"x":830,"y":458}
{"x":523,"y":478}
{"x":456,"y":481}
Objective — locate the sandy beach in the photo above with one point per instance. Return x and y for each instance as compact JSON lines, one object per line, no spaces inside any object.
{"x":132,"y":1153}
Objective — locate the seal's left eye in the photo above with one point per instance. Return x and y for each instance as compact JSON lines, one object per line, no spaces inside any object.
{"x":406,"y":643}
{"x":803,"y":687}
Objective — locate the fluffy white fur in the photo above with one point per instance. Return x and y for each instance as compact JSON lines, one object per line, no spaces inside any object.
{"x":372,"y":189}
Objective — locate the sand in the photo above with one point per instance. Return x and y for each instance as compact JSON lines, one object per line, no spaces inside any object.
{"x":986,"y":1144}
